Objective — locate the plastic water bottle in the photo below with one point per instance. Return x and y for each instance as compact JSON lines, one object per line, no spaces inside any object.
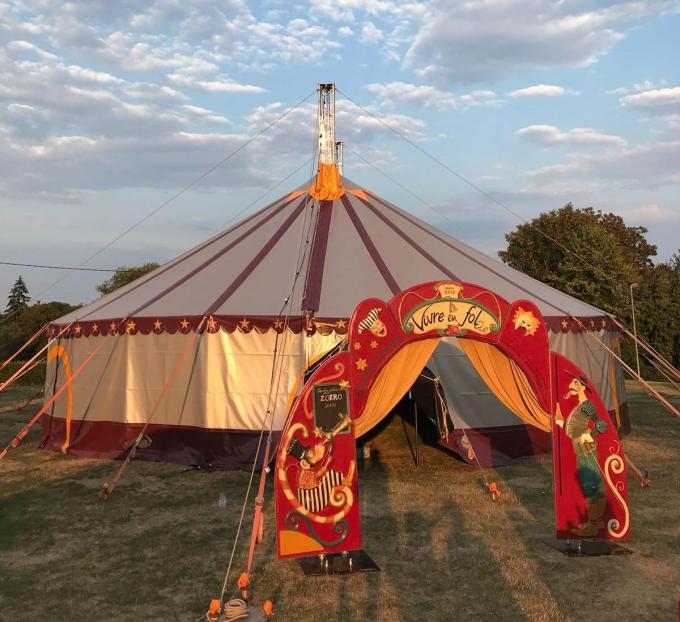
{"x":222,"y":501}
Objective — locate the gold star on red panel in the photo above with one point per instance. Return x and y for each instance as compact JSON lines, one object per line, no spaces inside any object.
{"x":340,"y":324}
{"x":77,"y":329}
{"x":278,"y":324}
{"x":131,"y":326}
{"x":244,"y":323}
{"x":184,"y":324}
{"x":157,"y":324}
{"x":361,"y":364}
{"x":374,"y":344}
{"x":344,"y":384}
{"x":357,"y":345}
{"x":95,"y":328}
{"x":592,"y":323}
{"x":212,"y":324}
{"x":112,"y":326}
{"x":604,"y":322}
{"x":565,"y":324}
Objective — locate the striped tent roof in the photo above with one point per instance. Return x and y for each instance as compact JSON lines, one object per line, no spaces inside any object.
{"x":360,"y":245}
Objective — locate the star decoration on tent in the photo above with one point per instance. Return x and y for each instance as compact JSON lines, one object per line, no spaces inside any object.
{"x":361,"y":364}
{"x":340,"y":324}
{"x":565,"y":324}
{"x":157,"y":325}
{"x":592,"y":324}
{"x":357,"y":345}
{"x":112,"y":326}
{"x":184,"y":324}
{"x":278,"y":324}
{"x":95,"y":328}
{"x":603,"y":322}
{"x":77,"y":328}
{"x":244,"y":324}
{"x":131,"y":326}
{"x":374,"y":344}
{"x":212,"y":324}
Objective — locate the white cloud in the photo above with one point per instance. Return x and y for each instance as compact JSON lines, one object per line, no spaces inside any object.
{"x":539,"y":90}
{"x":370,"y":33}
{"x":548,"y":135}
{"x":646,"y":166}
{"x":658,"y":101}
{"x":481,"y":98}
{"x":392,"y":93}
{"x":223,"y":85}
{"x":484,"y":40}
{"x":636,"y":87}
{"x":345,"y":31}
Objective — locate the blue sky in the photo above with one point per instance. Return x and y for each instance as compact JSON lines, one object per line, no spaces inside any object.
{"x":108,"y":108}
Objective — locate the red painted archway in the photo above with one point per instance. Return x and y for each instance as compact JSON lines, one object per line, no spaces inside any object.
{"x":316,"y":478}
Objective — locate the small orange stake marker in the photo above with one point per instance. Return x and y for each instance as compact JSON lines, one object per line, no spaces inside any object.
{"x":493,"y":489}
{"x":268,"y":609}
{"x":242,"y":585}
{"x":214,"y":610}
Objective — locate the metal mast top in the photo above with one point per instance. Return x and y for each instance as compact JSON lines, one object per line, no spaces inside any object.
{"x":326,"y":123}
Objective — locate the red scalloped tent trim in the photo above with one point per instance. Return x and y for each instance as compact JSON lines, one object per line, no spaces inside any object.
{"x":263,"y":324}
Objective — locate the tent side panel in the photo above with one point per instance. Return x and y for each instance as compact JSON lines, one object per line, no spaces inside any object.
{"x":213,"y":412}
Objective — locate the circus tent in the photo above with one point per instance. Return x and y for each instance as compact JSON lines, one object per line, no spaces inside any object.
{"x":286,"y":279}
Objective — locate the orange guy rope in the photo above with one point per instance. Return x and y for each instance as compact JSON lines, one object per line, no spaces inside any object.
{"x":24,"y":431}
{"x":258,"y":520}
{"x":24,"y":368}
{"x":107,"y":489}
{"x":633,"y":374}
{"x":22,"y":348}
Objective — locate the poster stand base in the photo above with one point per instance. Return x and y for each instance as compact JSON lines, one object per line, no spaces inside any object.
{"x":338,"y":563}
{"x":588,"y":548}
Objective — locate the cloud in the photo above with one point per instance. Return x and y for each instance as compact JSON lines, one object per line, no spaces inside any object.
{"x":657,"y":101}
{"x":345,"y":31}
{"x":220,"y":85}
{"x":548,"y":135}
{"x":392,"y":93}
{"x":370,"y":33}
{"x":485,"y":40}
{"x":646,"y":166}
{"x":636,"y":87}
{"x":539,"y":90}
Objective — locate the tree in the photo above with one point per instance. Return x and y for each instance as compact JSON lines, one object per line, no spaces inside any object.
{"x":615,"y":255}
{"x":124,"y":275}
{"x":18,"y":297}
{"x":657,"y":307}
{"x":23,"y":325}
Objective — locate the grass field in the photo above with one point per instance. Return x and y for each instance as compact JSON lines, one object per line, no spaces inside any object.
{"x":157,"y":550}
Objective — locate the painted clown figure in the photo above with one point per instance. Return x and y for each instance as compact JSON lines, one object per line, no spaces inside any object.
{"x":583,"y":437}
{"x":316,"y":479}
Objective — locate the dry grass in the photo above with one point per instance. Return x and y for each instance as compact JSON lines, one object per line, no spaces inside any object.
{"x":157,"y":550}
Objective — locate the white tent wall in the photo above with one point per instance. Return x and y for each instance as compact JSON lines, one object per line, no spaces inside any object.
{"x":223,"y":386}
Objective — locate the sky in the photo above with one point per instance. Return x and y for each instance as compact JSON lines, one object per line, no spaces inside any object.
{"x":108,"y":109}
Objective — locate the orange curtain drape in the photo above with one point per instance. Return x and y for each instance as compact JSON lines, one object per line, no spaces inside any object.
{"x":507,"y":381}
{"x":393,"y":381}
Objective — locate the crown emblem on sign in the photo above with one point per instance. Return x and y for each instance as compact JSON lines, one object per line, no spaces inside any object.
{"x":449,"y":289}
